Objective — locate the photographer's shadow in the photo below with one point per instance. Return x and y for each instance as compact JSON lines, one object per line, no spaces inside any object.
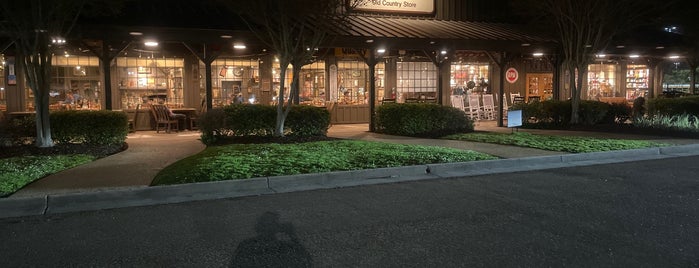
{"x":275,"y":245}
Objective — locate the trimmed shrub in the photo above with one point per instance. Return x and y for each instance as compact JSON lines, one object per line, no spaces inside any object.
{"x":673,"y":106}
{"x":618,"y":113}
{"x":88,"y":127}
{"x":556,"y":114}
{"x":592,"y":112}
{"x":421,"y":120}
{"x":260,"y":120}
{"x":306,"y":121}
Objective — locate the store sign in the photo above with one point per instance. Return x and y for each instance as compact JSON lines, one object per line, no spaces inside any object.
{"x":406,"y":6}
{"x":511,"y":75}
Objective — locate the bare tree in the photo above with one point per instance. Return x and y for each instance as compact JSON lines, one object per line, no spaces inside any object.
{"x":37,"y":27}
{"x":294,"y":30}
{"x":586,"y":27}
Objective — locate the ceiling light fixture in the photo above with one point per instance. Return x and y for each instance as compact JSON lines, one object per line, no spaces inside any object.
{"x":239,"y":46}
{"x":151,"y":43}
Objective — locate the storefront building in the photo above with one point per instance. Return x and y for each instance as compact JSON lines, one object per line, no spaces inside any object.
{"x":426,"y":53}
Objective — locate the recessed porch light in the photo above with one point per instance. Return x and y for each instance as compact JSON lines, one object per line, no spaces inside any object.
{"x":135,"y":33}
{"x":226,"y":36}
{"x":239,"y":46}
{"x":151,"y":43}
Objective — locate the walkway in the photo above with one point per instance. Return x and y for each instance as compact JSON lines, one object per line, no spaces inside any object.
{"x":149,"y":152}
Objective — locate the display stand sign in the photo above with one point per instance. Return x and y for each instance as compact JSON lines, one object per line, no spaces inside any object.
{"x":514,"y":118}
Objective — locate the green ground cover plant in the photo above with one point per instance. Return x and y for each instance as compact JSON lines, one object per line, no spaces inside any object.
{"x":16,"y":172}
{"x":569,"y":144}
{"x":241,"y":161}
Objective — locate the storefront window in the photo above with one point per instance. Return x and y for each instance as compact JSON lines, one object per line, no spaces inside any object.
{"x":235,"y":81}
{"x":469,"y":77}
{"x":417,"y":81}
{"x":150,"y":79}
{"x":353,"y":83}
{"x":602,"y":82}
{"x":636,"y":81}
{"x":312,"y":91}
{"x":75,"y":84}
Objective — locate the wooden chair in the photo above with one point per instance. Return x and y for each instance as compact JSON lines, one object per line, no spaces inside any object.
{"x":162,"y":118}
{"x":133,"y":121}
{"x":194,"y":119}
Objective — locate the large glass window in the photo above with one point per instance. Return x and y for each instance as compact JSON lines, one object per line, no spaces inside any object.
{"x":75,"y":84}
{"x":416,"y":81}
{"x":602,"y":81}
{"x":150,"y":79}
{"x":469,"y":77}
{"x":235,"y":81}
{"x":636,"y":81}
{"x":312,"y":84}
{"x":352,"y":83}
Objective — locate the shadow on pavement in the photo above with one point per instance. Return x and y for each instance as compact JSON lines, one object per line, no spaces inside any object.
{"x":275,"y":245}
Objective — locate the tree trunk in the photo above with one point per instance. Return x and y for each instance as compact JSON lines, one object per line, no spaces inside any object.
{"x":279,"y":127}
{"x":574,"y":97}
{"x":692,"y":77}
{"x":37,"y":66}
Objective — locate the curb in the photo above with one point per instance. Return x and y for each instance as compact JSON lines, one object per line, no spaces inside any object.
{"x":158,"y":195}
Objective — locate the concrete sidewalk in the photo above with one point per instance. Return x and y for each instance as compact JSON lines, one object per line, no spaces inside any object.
{"x":122,"y":180}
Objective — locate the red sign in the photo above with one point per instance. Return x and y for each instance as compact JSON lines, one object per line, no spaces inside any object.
{"x":511,"y":75}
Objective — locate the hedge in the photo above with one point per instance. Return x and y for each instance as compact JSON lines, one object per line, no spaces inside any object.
{"x":260,"y":120}
{"x":421,"y":120}
{"x":673,"y":106}
{"x":87,"y":127}
{"x":556,"y":114}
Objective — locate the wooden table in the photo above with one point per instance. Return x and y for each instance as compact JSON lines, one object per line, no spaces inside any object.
{"x":189,"y":113}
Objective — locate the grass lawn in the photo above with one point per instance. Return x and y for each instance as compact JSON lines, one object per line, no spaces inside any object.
{"x":241,"y":161}
{"x":570,"y":144}
{"x":16,"y":172}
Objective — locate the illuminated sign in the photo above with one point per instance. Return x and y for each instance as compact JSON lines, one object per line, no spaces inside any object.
{"x":406,"y":6}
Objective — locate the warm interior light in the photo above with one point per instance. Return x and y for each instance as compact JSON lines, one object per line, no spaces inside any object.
{"x":381,"y":50}
{"x":601,"y":55}
{"x":674,"y":57}
{"x":151,"y":43}
{"x":444,"y":52}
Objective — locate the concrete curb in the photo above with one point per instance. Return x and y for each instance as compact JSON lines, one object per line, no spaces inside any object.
{"x":157,"y":195}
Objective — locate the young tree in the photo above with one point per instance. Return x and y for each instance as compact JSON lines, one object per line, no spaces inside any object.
{"x":37,"y":27}
{"x":586,"y":27}
{"x":294,"y":30}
